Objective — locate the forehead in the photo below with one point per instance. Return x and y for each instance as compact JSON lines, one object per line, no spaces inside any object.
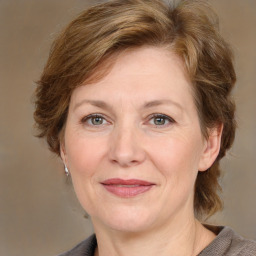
{"x":152,"y":71}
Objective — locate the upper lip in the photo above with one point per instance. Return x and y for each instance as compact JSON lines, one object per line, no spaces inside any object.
{"x":117,"y":181}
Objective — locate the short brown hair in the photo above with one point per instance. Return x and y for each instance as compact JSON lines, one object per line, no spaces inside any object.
{"x":189,"y":27}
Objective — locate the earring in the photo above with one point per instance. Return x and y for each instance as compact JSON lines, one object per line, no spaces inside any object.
{"x":66,"y":170}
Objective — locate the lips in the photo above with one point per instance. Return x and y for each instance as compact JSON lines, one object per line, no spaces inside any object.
{"x":127,"y":188}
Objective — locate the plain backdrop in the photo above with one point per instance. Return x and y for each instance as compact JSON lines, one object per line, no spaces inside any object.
{"x":39,"y":213}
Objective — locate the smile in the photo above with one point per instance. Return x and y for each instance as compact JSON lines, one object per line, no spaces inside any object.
{"x":127,"y":188}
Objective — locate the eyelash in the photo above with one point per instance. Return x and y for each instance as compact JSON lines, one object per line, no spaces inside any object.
{"x":162,"y":116}
{"x":90,"y":117}
{"x":151,"y":117}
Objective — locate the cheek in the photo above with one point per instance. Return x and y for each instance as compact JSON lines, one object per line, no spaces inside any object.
{"x":84,"y":157}
{"x":84,"y":154}
{"x":177,"y":159}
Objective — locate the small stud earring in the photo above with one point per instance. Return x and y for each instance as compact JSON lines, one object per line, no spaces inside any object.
{"x":66,"y":170}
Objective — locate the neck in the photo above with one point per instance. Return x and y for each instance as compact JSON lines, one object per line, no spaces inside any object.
{"x":188,"y":239}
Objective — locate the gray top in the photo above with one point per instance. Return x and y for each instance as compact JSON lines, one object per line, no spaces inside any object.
{"x":226,"y":243}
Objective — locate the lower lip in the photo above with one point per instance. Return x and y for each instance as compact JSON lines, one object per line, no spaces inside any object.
{"x":127,"y":191}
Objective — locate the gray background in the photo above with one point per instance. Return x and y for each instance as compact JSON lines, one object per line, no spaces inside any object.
{"x":39,"y":214}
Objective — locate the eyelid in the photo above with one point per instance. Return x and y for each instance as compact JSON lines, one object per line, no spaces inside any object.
{"x":162,"y":115}
{"x":150,"y":117}
{"x":155,"y":115}
{"x":93,"y":115}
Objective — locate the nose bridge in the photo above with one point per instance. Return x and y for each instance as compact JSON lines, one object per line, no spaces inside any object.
{"x":126,"y":146}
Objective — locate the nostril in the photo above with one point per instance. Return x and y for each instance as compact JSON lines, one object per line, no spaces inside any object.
{"x":125,"y":162}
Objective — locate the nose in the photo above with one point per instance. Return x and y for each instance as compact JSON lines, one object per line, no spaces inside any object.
{"x":126,"y":146}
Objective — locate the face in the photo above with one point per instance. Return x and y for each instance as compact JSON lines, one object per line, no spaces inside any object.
{"x":133,"y":143}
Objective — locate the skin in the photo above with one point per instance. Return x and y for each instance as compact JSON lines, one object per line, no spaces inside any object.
{"x":127,"y":142}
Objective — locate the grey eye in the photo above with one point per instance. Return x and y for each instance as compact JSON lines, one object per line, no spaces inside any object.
{"x":159,"y":120}
{"x":97,"y":120}
{"x":94,"y":120}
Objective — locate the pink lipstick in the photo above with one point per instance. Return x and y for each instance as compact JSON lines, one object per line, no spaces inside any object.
{"x":127,"y":188}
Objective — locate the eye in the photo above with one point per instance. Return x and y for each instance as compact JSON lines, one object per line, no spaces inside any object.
{"x":94,"y":120}
{"x":160,"y":120}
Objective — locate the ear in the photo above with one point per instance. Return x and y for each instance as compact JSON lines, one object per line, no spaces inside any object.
{"x":211,"y":148}
{"x":63,"y":153}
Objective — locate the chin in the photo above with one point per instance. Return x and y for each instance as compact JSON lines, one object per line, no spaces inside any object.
{"x":127,"y":220}
{"x":130,"y":226}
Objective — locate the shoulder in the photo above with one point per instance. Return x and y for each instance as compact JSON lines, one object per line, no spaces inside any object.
{"x":239,"y":245}
{"x":85,"y":248}
{"x":229,"y":243}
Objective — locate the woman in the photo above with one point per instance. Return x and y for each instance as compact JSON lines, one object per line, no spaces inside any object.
{"x":136,"y":100}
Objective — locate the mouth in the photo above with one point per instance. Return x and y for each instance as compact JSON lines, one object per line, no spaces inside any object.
{"x":127,"y":188}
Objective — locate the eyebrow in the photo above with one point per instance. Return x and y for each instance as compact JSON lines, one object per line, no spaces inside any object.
{"x":149,"y":104}
{"x":156,"y":103}
{"x":96,"y":103}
